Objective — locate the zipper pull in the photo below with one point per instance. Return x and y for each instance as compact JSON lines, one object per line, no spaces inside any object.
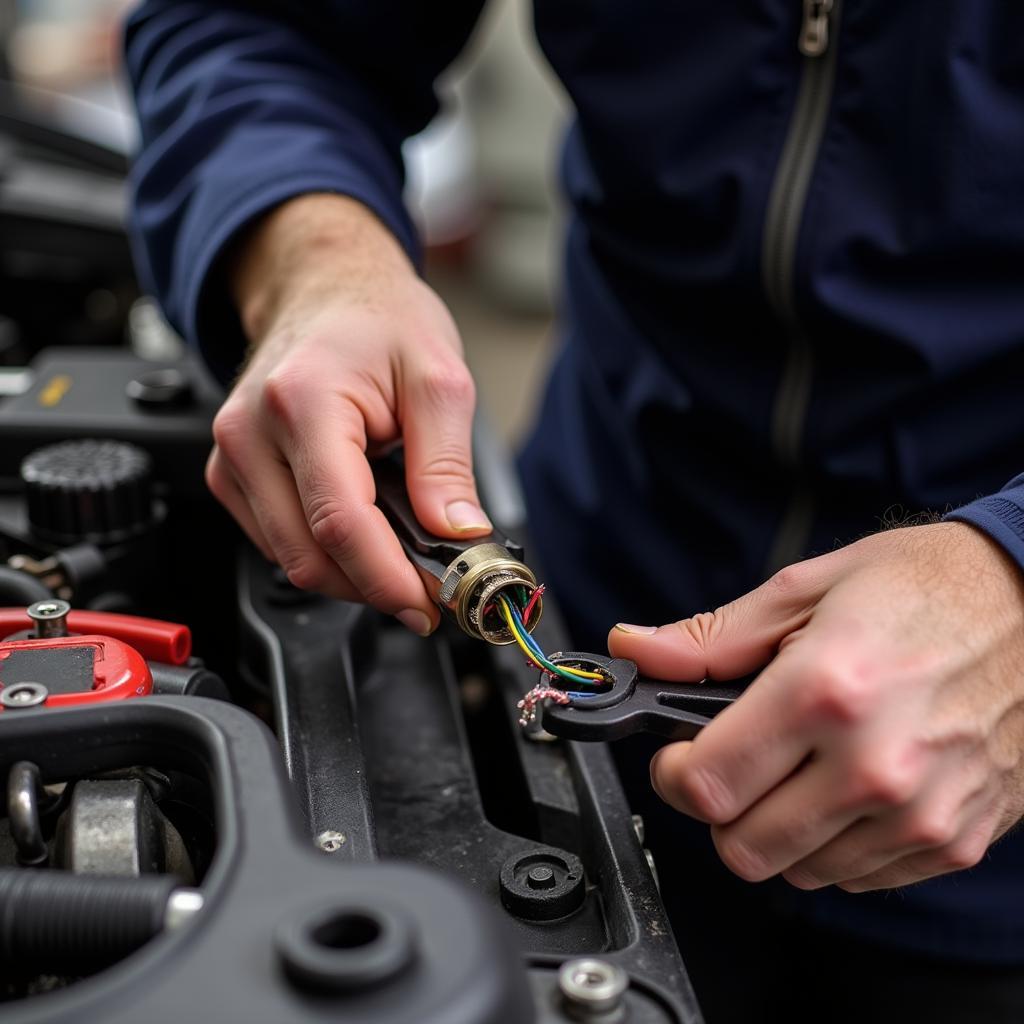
{"x":814,"y":31}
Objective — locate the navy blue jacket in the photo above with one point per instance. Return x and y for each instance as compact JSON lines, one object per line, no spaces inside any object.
{"x":793,"y":302}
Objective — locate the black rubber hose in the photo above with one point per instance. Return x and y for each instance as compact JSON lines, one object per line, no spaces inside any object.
{"x":17,"y":587}
{"x":62,"y":923}
{"x":24,"y":792}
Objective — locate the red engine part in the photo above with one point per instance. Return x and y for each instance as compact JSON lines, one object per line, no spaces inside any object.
{"x":105,"y":660}
{"x":117,"y":670}
{"x":167,"y":642}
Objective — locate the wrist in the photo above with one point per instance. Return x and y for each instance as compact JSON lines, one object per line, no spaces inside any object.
{"x":310,"y":245}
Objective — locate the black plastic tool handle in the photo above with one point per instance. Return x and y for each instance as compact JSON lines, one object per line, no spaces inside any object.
{"x":434,"y":554}
{"x":632,"y":704}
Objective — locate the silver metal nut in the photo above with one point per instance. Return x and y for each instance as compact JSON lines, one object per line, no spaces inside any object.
{"x":593,"y":985}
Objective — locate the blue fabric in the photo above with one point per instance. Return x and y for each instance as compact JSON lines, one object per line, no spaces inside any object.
{"x":651,"y":477}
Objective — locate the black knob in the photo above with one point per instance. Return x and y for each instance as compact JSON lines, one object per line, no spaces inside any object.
{"x":91,"y":490}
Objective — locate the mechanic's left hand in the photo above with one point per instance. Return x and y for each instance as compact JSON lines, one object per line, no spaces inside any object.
{"x":884,"y":741}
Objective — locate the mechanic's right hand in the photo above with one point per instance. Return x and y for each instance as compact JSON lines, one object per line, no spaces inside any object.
{"x":351,"y":352}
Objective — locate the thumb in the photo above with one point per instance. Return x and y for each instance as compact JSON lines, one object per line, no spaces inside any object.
{"x":437,"y":431}
{"x":733,"y":640}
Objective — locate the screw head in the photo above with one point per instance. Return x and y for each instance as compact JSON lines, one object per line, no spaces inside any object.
{"x":23,"y":695}
{"x":330,"y":841}
{"x":596,"y":986}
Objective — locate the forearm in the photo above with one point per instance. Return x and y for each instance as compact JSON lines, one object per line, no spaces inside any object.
{"x":305,"y":245}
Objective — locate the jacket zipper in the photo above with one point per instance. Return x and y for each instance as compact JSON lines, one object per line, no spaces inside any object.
{"x":784,"y":215}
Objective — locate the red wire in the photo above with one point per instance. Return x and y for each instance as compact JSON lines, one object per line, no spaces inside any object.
{"x":534,"y":598}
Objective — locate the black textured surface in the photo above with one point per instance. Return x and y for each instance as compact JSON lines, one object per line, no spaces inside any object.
{"x":89,"y":490}
{"x":542,"y":884}
{"x":59,"y":669}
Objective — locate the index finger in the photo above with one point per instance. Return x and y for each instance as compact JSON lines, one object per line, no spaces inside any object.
{"x":337,"y":490}
{"x":744,"y":753}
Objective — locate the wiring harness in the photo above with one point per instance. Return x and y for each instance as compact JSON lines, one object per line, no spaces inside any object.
{"x":515,"y":620}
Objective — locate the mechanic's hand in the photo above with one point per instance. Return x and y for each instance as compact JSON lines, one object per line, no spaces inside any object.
{"x":350,"y":351}
{"x":883,"y":742}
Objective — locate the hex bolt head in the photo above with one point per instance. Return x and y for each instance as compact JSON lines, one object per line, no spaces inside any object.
{"x":330,"y":841}
{"x":592,"y":987}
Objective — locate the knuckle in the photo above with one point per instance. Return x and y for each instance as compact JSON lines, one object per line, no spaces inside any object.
{"x":789,"y":579}
{"x":841,"y":694}
{"x":929,"y":830}
{"x":380,"y":595}
{"x":886,"y":782}
{"x":445,"y":465}
{"x":743,"y":859}
{"x":283,"y":396}
{"x":334,"y":527}
{"x":216,"y":478}
{"x":966,"y":854}
{"x":231,"y":429}
{"x":449,"y":384}
{"x":707,"y":794}
{"x":304,"y":569}
{"x":702,"y":628}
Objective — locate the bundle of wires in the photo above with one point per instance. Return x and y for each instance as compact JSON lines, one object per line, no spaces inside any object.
{"x":534,"y":655}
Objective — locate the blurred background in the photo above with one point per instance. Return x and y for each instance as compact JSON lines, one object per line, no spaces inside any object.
{"x":481,"y":183}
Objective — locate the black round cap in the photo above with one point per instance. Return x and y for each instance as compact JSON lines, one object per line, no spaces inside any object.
{"x":542,"y":884}
{"x":344,"y":947}
{"x":90,"y":490}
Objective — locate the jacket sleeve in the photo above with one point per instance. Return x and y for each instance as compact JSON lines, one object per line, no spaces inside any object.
{"x":1001,"y":516}
{"x":243,"y":105}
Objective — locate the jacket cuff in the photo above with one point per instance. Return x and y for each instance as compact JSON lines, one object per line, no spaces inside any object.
{"x":1001,"y":516}
{"x":209,"y":317}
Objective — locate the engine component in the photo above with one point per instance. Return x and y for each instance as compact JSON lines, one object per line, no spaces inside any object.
{"x":56,"y":921}
{"x":89,"y":490}
{"x":112,"y":827}
{"x":25,"y":794}
{"x":104,"y":660}
{"x":542,"y":884}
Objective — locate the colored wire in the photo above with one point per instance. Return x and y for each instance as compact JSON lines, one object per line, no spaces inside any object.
{"x":532,"y":650}
{"x":534,"y":598}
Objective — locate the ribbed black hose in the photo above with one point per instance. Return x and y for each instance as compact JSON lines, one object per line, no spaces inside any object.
{"x":62,"y":923}
{"x":18,"y":587}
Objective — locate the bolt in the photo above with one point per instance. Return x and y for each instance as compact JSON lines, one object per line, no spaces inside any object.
{"x":182,"y":906}
{"x":540,"y":877}
{"x":654,"y":870}
{"x":330,"y":841}
{"x":50,"y":618}
{"x":638,"y":828}
{"x":590,"y":986}
{"x":23,"y":695}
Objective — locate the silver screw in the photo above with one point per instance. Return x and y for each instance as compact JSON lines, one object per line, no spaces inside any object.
{"x":590,"y":986}
{"x":23,"y":695}
{"x":330,"y":841}
{"x":50,"y":618}
{"x":638,"y":828}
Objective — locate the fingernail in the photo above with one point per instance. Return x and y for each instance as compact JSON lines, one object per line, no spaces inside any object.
{"x":628,"y":627}
{"x":416,"y":621}
{"x":464,"y":515}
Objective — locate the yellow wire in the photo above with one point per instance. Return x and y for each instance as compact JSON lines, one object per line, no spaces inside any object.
{"x":579,"y":673}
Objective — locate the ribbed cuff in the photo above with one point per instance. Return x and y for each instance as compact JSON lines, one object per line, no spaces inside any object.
{"x":1001,"y":516}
